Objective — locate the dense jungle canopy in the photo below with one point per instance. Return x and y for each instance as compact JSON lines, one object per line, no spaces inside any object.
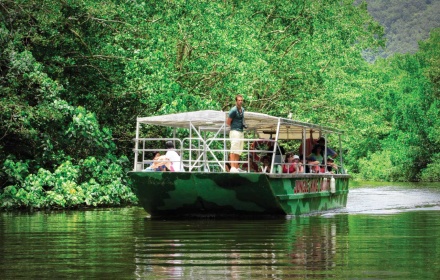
{"x":76,"y":74}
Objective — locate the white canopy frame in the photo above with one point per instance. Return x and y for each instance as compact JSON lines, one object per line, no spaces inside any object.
{"x":263,"y":125}
{"x":201,"y":160}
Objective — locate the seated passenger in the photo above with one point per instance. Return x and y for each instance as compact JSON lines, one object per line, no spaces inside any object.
{"x":316,"y":153}
{"x":266,"y":164}
{"x":161,"y":163}
{"x":252,"y":166}
{"x":155,"y":156}
{"x":227,"y":167}
{"x":315,"y":159}
{"x":173,"y":156}
{"x":293,"y":165}
{"x":312,"y":165}
{"x":331,"y":165}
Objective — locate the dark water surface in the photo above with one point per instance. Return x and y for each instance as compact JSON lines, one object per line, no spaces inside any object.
{"x":384,"y":233}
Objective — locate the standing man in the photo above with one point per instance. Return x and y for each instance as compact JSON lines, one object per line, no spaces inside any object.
{"x":236,"y":122}
{"x":330,"y":152}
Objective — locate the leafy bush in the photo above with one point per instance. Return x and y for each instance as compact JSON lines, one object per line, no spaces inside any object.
{"x":376,"y":167}
{"x":91,"y":182}
{"x":432,"y":172}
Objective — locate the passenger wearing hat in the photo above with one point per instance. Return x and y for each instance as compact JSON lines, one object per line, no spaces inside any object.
{"x":293,"y":165}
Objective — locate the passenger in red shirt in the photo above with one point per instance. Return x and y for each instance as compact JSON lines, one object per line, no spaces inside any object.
{"x":293,"y":165}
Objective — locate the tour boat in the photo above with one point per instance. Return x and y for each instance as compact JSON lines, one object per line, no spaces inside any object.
{"x":204,"y":187}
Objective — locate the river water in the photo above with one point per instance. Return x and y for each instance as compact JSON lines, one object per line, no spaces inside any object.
{"x":385,"y":232}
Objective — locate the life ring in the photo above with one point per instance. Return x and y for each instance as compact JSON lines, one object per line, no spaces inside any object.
{"x":257,"y":147}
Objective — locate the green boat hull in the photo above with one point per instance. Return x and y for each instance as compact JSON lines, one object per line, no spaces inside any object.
{"x":174,"y":194}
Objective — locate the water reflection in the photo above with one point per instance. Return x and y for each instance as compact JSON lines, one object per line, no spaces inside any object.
{"x":232,"y":249}
{"x":383,"y":233}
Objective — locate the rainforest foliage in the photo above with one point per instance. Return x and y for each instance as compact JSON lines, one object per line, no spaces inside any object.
{"x":75,"y":74}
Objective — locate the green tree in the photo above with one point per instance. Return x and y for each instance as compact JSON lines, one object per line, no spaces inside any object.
{"x":76,"y":74}
{"x":404,"y":103}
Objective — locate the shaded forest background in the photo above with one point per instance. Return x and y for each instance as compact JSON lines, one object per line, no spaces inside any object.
{"x":76,"y":74}
{"x":405,"y":22}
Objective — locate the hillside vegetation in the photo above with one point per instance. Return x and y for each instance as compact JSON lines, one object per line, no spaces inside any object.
{"x":406,"y":22}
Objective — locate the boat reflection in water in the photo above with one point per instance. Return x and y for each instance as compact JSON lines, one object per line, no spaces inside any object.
{"x":236,"y":249}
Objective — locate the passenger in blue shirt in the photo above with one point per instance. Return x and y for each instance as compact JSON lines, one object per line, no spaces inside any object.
{"x":330,"y":152}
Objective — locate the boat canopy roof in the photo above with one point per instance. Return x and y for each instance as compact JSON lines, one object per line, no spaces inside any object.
{"x":264,"y":125}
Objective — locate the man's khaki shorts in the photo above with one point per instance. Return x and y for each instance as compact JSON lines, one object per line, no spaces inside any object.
{"x":236,"y":142}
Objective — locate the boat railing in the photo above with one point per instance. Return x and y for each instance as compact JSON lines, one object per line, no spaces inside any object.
{"x":212,"y":154}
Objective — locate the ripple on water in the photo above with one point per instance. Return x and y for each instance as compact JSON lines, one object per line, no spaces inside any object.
{"x":391,"y":200}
